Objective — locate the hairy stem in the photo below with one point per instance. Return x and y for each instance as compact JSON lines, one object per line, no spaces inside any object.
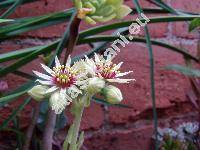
{"x":49,"y":130}
{"x":76,"y":123}
{"x":29,"y":132}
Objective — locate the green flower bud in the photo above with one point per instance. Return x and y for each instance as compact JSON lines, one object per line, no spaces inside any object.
{"x":112,"y":94}
{"x":38,"y":92}
{"x":93,"y":11}
{"x":95,"y":85}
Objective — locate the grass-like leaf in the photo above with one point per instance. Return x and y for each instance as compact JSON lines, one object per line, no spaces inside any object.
{"x":11,"y":9}
{"x":5,"y":20}
{"x":138,"y":39}
{"x":184,"y":70}
{"x":7,"y":3}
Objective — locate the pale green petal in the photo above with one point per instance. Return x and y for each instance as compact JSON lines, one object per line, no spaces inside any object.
{"x":123,"y":11}
{"x":90,"y":20}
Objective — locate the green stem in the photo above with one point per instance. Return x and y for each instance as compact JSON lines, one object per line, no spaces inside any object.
{"x":77,"y":121}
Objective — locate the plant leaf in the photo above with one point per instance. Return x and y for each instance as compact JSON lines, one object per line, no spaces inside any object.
{"x":184,"y":70}
{"x":11,"y":9}
{"x":194,"y":24}
{"x":5,"y":20}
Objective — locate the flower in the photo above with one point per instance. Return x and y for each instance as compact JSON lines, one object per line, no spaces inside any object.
{"x":112,"y":94}
{"x":105,"y":69}
{"x":93,"y":11}
{"x":61,"y":81}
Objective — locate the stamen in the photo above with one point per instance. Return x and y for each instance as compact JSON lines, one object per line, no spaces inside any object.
{"x":63,"y":76}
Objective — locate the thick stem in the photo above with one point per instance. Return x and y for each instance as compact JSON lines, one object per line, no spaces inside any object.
{"x":77,"y":121}
{"x":29,"y":132}
{"x":48,"y":130}
{"x":74,"y":33}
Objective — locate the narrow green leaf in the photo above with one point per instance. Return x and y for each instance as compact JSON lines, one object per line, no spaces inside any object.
{"x":32,"y":23}
{"x":5,"y":20}
{"x":23,"y":52}
{"x":103,"y":28}
{"x":11,"y":96}
{"x":14,"y":113}
{"x":15,"y":29}
{"x":194,"y":24}
{"x":163,"y":5}
{"x":101,"y":38}
{"x":28,"y":58}
{"x":184,"y":70}
{"x":7,"y":3}
{"x":11,"y":9}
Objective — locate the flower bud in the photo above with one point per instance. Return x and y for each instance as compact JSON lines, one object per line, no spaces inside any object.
{"x":95,"y":85}
{"x":112,"y":94}
{"x":38,"y":92}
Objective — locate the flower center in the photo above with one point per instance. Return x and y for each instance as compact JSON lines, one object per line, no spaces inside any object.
{"x":63,"y":76}
{"x":107,"y":71}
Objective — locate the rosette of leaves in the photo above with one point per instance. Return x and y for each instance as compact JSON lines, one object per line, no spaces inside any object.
{"x":93,"y":11}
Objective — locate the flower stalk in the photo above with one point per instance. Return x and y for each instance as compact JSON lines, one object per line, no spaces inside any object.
{"x":73,"y":141}
{"x":78,"y":109}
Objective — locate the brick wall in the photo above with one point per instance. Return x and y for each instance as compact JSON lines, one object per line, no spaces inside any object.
{"x":120,"y":128}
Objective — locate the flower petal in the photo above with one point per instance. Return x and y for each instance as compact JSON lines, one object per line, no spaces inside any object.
{"x":43,"y":76}
{"x":45,"y":82}
{"x":117,"y":80}
{"x":96,"y":57}
{"x":123,"y":74}
{"x":118,"y":66}
{"x":68,"y":63}
{"x":52,"y":89}
{"x":47,"y":69}
{"x":57,"y":62}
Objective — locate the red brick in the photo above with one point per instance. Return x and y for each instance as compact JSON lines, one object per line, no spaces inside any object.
{"x":137,"y":94}
{"x":93,"y":117}
{"x":153,"y":30}
{"x":121,"y":140}
{"x":181,"y":29}
{"x":185,"y":5}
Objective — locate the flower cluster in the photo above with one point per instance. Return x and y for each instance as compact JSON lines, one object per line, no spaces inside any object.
{"x":93,"y":11}
{"x":64,"y":83}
